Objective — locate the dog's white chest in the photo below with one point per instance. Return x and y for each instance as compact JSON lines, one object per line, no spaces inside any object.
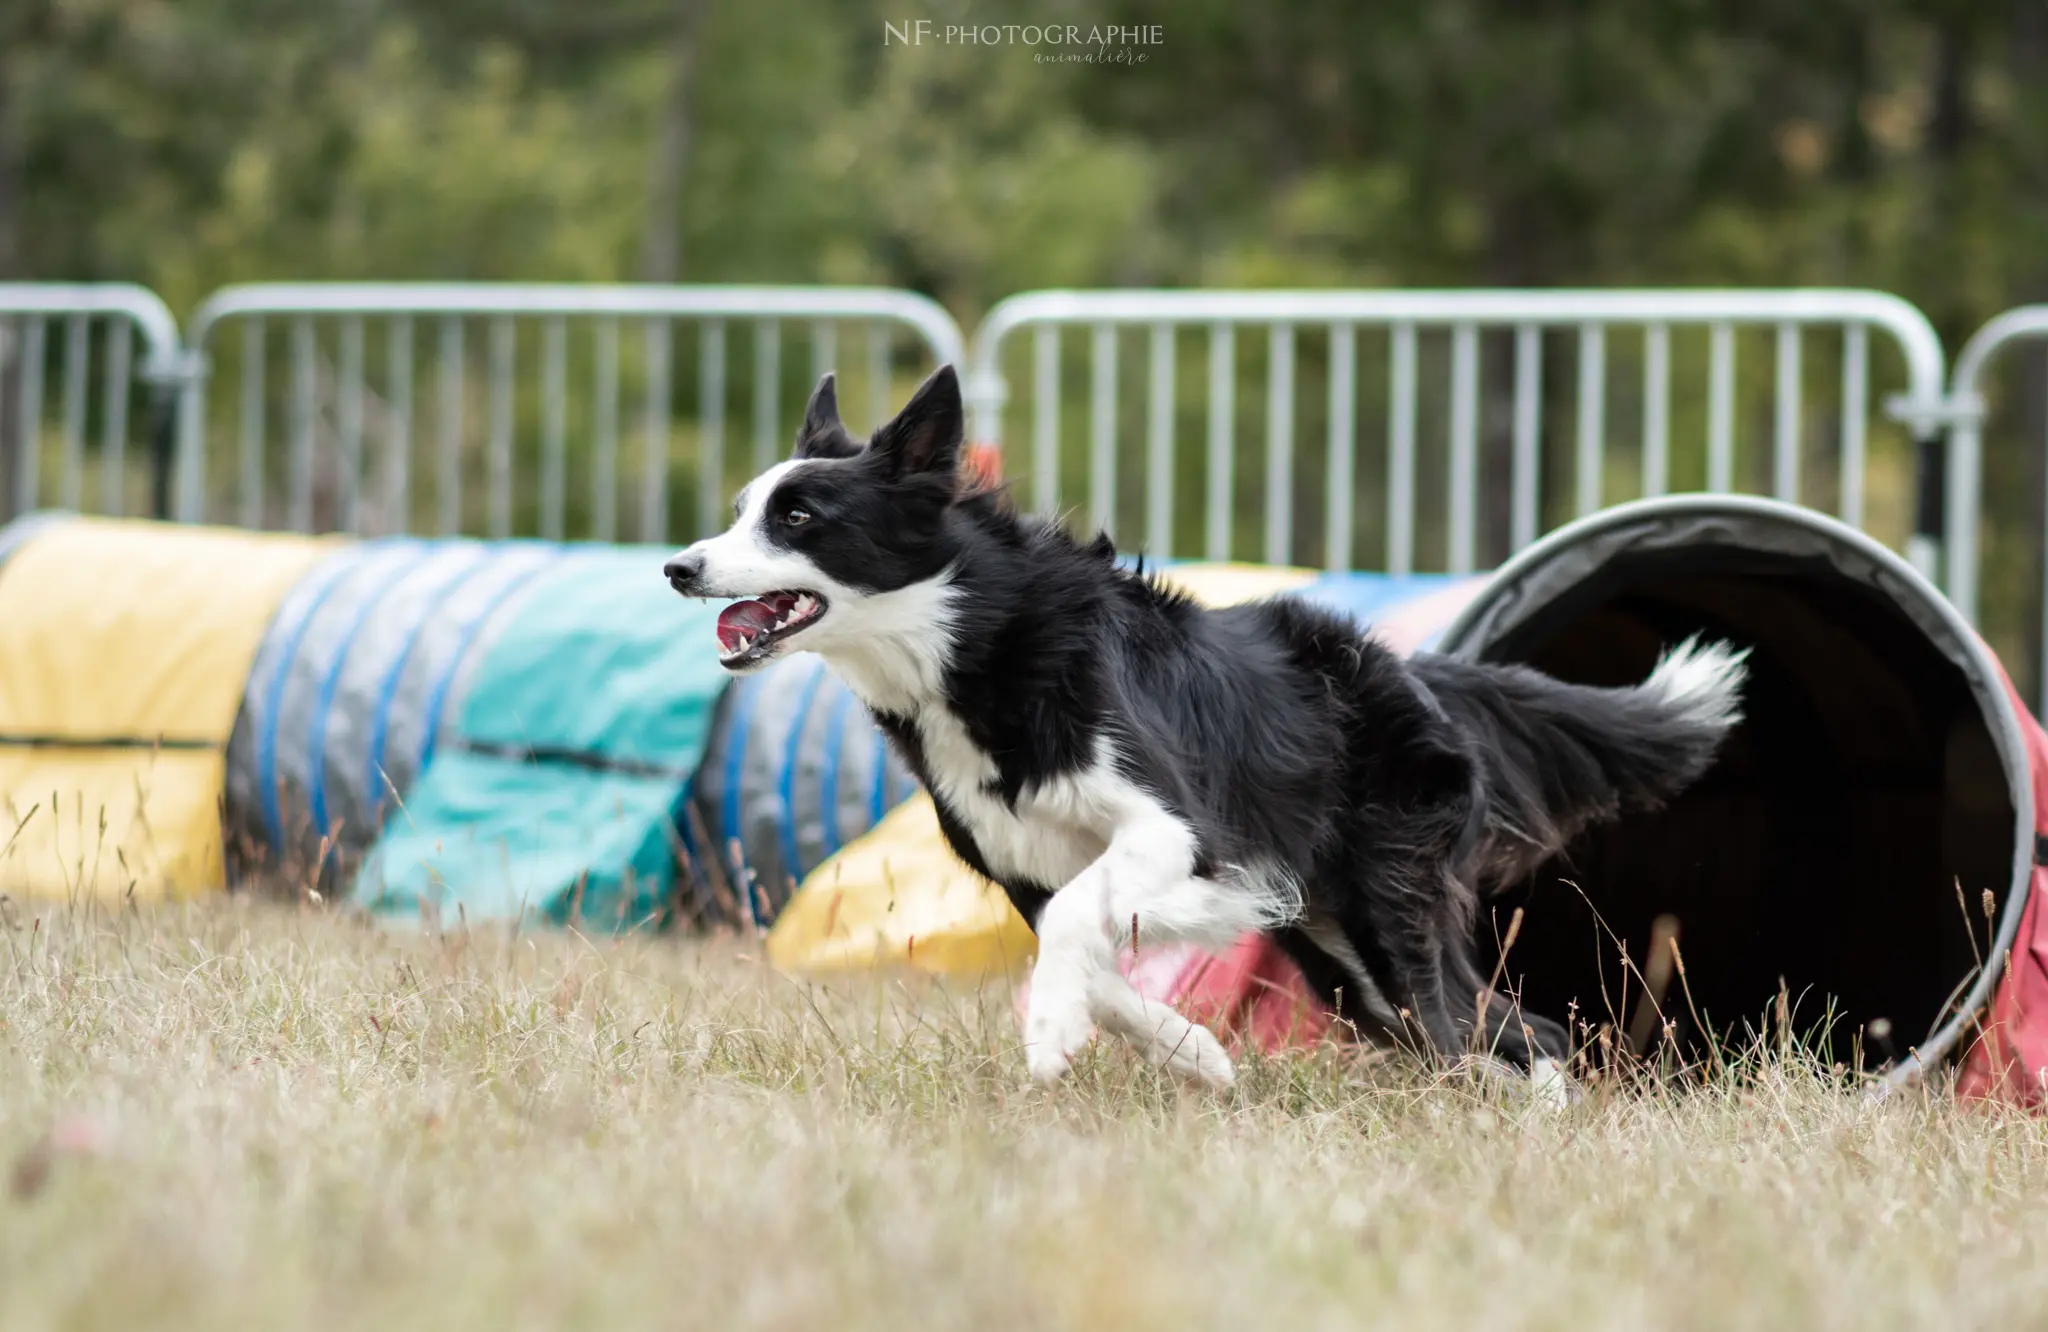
{"x":1055,"y":830}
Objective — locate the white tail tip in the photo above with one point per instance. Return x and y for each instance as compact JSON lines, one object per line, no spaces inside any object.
{"x":1702,"y":681}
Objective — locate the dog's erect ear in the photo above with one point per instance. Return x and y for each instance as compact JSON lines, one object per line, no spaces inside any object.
{"x":926,"y":434}
{"x":822,"y":435}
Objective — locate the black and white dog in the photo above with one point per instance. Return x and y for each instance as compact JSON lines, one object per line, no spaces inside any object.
{"x":1126,"y":763}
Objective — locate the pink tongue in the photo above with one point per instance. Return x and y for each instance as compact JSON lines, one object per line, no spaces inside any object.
{"x":747,"y":619}
{"x":743,"y":620}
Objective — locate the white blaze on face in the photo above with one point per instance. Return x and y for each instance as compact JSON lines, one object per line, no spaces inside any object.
{"x":740,"y":561}
{"x":890,"y":647}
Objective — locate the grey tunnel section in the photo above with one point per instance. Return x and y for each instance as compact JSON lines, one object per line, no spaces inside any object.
{"x":1845,"y":840}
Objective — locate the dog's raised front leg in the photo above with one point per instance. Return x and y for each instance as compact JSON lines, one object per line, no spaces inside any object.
{"x":1146,"y":876}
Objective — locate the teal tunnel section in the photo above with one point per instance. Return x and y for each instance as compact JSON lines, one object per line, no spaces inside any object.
{"x":500,"y":728}
{"x":363,"y":663}
{"x":553,"y":791}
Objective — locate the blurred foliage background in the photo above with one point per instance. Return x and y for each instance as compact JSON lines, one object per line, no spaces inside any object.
{"x":1901,"y":144}
{"x":1897,"y":144}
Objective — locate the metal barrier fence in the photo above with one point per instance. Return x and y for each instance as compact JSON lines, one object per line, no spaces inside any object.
{"x":1404,"y":317}
{"x":334,"y":409}
{"x":1965,"y":413}
{"x":320,"y":430}
{"x":111,"y":316}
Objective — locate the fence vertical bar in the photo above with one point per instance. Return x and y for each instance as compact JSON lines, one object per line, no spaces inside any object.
{"x":654,"y":458}
{"x":397,"y":490}
{"x":503,"y":352}
{"x":114,"y":421}
{"x":1343,"y":448}
{"x":249,"y":504}
{"x":1785,"y":435}
{"x":824,"y":351}
{"x":29,"y":419}
{"x":1464,"y":448}
{"x":711,"y":428}
{"x":1657,"y":409}
{"x":554,"y":423}
{"x":1280,"y":444}
{"x":1221,"y":501}
{"x":878,"y":375}
{"x":305,"y":389}
{"x":1045,"y":419}
{"x":77,"y":362}
{"x":350,"y":426}
{"x":1592,"y":416}
{"x":767,"y":386}
{"x":1401,"y":450}
{"x":1721,"y":409}
{"x":604,"y":430}
{"x":1855,"y":420}
{"x":1159,"y":447}
{"x":1522,"y":508}
{"x":448,"y":485}
{"x":1102,"y":431}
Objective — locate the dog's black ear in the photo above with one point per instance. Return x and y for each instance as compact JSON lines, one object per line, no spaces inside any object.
{"x":926,"y":435}
{"x":822,"y":435}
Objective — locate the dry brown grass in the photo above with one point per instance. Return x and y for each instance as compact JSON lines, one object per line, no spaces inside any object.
{"x":253,"y":1116}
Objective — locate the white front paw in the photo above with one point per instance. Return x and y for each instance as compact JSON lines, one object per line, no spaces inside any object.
{"x":1053,"y":1034}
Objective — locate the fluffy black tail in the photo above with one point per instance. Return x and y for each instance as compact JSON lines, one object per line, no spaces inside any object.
{"x":1554,"y":757}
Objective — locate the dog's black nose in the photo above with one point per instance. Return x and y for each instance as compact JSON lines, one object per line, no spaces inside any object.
{"x":684,"y":570}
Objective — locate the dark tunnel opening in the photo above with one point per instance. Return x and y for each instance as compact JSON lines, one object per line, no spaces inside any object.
{"x":1842,"y":846}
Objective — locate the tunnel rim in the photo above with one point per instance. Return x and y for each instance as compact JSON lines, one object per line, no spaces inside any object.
{"x":1508,"y":601}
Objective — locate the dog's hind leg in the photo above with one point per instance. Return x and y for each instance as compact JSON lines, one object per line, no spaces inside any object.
{"x":1511,"y":1033}
{"x":1534,"y":1048}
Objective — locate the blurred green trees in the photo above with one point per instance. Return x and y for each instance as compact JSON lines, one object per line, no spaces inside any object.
{"x":1894,"y":143}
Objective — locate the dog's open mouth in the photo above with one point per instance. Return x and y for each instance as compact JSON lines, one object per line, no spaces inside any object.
{"x":751,"y":631}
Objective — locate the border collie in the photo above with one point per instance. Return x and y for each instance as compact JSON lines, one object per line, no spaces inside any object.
{"x":1128,"y":764}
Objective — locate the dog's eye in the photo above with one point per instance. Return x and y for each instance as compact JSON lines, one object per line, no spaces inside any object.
{"x":796,"y":517}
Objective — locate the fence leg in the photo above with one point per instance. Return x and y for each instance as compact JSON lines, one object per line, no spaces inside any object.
{"x":1930,"y":504}
{"x":163,"y":448}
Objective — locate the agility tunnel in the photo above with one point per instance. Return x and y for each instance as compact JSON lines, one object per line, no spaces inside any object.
{"x":499,"y":730}
{"x":1868,"y":838}
{"x":550,"y":788}
{"x":123,"y":652}
{"x":363,"y":661}
{"x":1865,"y":844}
{"x":496,"y":730}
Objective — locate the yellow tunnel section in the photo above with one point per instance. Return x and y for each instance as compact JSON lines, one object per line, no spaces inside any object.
{"x":125,"y":647}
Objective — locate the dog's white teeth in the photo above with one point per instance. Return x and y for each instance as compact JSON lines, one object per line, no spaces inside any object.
{"x":806,"y":604}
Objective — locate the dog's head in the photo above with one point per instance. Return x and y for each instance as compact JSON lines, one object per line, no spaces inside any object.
{"x":843,"y":541}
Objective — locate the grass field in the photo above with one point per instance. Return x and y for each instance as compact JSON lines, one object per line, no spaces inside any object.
{"x":251,"y":1116}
